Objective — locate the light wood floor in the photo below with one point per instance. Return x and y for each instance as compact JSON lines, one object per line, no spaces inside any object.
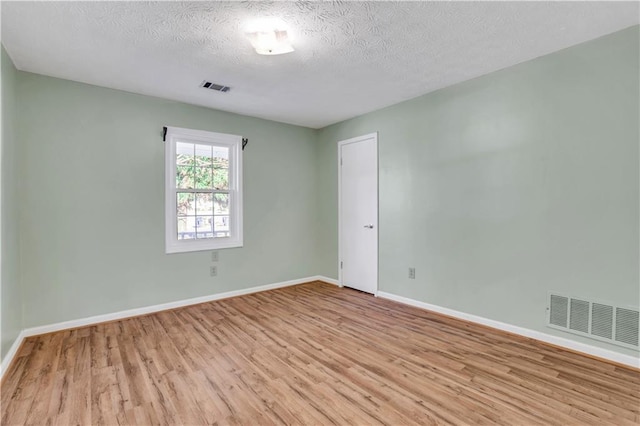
{"x":309,"y":354}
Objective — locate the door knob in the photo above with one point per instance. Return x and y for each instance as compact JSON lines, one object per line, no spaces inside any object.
{"x":369,"y":226}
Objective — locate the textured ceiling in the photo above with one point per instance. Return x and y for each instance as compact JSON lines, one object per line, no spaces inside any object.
{"x":350,"y":58}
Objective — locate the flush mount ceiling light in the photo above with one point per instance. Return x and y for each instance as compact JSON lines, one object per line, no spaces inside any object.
{"x":272,"y":42}
{"x":269,"y":37}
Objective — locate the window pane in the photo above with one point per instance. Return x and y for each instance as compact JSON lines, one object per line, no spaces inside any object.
{"x":204,"y":204}
{"x":184,"y":177}
{"x":203,"y":156}
{"x":221,"y":204}
{"x":220,"y":178}
{"x":203,"y":178}
{"x":186,"y":228}
{"x":185,"y":204}
{"x":220,"y":156}
{"x":221,"y":226}
{"x":204,"y":227}
{"x":184,"y":154}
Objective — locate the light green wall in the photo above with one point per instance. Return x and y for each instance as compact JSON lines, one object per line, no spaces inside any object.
{"x":11,"y":304}
{"x":93,"y":213}
{"x":500,"y":189}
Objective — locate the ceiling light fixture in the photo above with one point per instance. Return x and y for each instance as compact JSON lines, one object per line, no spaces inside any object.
{"x":268,"y":36}
{"x":274,"y":42}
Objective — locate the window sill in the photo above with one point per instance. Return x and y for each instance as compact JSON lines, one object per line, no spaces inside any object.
{"x":191,"y":245}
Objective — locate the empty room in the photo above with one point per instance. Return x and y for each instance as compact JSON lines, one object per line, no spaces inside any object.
{"x":310,"y":213}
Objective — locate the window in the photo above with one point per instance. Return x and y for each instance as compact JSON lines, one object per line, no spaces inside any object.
{"x":203,"y":190}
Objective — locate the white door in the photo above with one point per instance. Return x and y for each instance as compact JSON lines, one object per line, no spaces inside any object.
{"x":358,"y":212}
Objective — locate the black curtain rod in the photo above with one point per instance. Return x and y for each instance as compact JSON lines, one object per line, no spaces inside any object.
{"x":245,"y":141}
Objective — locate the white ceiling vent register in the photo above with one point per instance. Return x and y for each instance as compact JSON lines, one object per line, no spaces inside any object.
{"x":601,"y":321}
{"x":213,"y":86}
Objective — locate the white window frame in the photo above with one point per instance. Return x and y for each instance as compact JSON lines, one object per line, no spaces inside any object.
{"x":234,"y":143}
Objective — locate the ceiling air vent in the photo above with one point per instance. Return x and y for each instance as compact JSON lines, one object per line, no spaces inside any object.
{"x":601,"y":321}
{"x":213,"y":86}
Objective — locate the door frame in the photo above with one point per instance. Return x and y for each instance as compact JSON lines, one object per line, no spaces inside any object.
{"x":356,"y":139}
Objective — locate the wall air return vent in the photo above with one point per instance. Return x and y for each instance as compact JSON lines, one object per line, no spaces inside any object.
{"x":559,"y":311}
{"x":627,"y":326}
{"x":602,"y":321}
{"x":579,"y":315}
{"x":213,"y":86}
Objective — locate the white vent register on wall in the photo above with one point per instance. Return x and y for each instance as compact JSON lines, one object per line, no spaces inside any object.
{"x":602,"y":321}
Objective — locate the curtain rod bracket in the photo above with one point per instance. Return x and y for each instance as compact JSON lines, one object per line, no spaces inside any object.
{"x":245,"y":141}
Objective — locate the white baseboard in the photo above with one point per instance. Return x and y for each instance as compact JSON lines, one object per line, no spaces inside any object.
{"x":327,"y":280}
{"x":65,"y":325}
{"x":33,"y":331}
{"x":537,"y":335}
{"x":6,"y":361}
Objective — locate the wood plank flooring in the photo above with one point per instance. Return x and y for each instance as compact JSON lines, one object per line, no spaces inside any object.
{"x":309,"y":354}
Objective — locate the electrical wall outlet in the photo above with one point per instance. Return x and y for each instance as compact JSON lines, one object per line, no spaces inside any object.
{"x":213,"y":271}
{"x":214,"y":256}
{"x":412,"y":273}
